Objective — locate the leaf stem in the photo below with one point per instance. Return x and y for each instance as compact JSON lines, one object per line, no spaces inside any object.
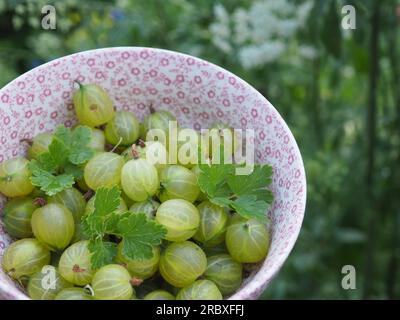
{"x":27,"y":141}
{"x":79,"y":84}
{"x":117,"y":145}
{"x":151,"y":108}
{"x":233,"y":197}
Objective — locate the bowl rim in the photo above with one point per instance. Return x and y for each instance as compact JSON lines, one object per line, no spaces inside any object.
{"x":259,"y":281}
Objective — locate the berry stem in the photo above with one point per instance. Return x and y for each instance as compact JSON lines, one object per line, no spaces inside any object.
{"x":109,"y":146}
{"x":11,"y":272}
{"x":79,"y":84}
{"x":135,"y":154}
{"x":89,"y":288}
{"x":27,"y":141}
{"x":88,"y":194}
{"x":136,"y":281}
{"x":151,"y":108}
{"x":77,"y":268}
{"x":141,"y":143}
{"x":39,"y":201}
{"x":232,"y":197}
{"x":117,"y":145}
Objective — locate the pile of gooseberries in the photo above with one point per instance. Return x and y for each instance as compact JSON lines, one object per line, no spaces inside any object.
{"x":205,"y":252}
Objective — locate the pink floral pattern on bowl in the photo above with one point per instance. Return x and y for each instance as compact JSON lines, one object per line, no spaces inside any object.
{"x":196,"y":91}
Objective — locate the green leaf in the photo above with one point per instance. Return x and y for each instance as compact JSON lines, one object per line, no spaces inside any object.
{"x":221,"y":201}
{"x":76,"y":142}
{"x":212,"y":178}
{"x":73,"y":170}
{"x":249,"y":207}
{"x":255,"y":183}
{"x":112,"y":221}
{"x":63,"y":133}
{"x":48,"y":182}
{"x":56,"y":157}
{"x":248,"y":195}
{"x":103,"y":252}
{"x":79,"y":156}
{"x":139,"y":235}
{"x":54,"y":170}
{"x":106,"y":202}
{"x":79,"y":152}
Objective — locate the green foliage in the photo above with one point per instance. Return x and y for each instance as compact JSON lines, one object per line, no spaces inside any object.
{"x":320,"y":85}
{"x":56,"y":169}
{"x":138,"y":233}
{"x":248,"y":194}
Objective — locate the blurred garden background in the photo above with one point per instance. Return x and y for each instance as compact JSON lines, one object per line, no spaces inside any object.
{"x":338,"y":90}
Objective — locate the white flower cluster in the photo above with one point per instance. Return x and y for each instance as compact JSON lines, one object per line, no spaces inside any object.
{"x":261,"y":33}
{"x":221,"y":30}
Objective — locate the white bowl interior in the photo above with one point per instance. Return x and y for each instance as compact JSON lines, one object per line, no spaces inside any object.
{"x":197,"y":92}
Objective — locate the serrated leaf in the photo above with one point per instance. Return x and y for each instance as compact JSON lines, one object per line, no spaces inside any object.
{"x":52,"y":184}
{"x":55,"y":158}
{"x":249,"y":207}
{"x":248,"y":195}
{"x":79,"y":153}
{"x":255,"y":183}
{"x":106,"y":202}
{"x":80,"y":156}
{"x":139,"y":235}
{"x":112,"y":221}
{"x":63,"y":133}
{"x":55,"y":170}
{"x":221,"y":201}
{"x":213,"y":177}
{"x":48,"y":182}
{"x":76,"y":142}
{"x":103,"y":252}
{"x":75,"y":171}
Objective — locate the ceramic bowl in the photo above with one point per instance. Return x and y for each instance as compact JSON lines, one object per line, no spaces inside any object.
{"x":196,"y":91}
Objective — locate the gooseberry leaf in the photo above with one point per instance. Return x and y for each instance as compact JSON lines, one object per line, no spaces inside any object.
{"x":112,"y":221}
{"x":79,"y":152}
{"x":212,"y":179}
{"x":48,"y":182}
{"x":249,"y":207}
{"x":139,"y":235}
{"x":103,"y":252}
{"x":221,"y":201}
{"x":101,"y":221}
{"x":54,"y":170}
{"x":106,"y":202}
{"x":75,"y":171}
{"x":56,"y":157}
{"x":255,"y":183}
{"x":248,"y":195}
{"x":76,"y":142}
